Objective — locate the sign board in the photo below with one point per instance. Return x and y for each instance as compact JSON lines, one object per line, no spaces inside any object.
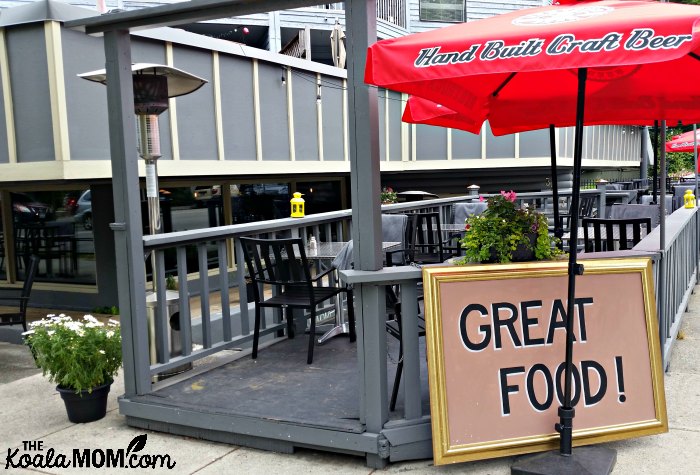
{"x":496,"y":340}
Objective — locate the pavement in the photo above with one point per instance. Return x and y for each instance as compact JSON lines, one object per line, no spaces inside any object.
{"x":31,"y":410}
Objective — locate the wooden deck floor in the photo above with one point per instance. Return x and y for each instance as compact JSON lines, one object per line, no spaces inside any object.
{"x":280,"y":386}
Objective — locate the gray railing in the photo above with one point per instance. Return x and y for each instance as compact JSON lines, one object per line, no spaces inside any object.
{"x":393,"y":11}
{"x":675,"y":269}
{"x":234,"y":329}
{"x":206,"y":262}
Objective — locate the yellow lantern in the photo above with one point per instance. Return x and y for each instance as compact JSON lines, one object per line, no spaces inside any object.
{"x":689,"y":199}
{"x":297,"y":205}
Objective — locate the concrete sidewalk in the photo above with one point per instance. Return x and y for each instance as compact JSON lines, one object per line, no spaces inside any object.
{"x":31,"y":410}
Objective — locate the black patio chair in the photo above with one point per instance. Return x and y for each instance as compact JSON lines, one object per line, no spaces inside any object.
{"x":586,"y":209}
{"x":427,"y":245}
{"x":394,"y":327}
{"x":280,"y":265}
{"x":602,"y":234}
{"x":403,"y":256}
{"x":19,"y":298}
{"x":460,"y":213}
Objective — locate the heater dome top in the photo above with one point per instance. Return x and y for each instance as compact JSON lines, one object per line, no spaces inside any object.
{"x":179,"y":82}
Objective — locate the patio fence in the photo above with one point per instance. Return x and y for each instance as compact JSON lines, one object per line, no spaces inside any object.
{"x":407,"y":432}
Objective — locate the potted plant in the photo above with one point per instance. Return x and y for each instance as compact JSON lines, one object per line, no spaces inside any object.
{"x":505,"y":233}
{"x":82,"y":357}
{"x":388,"y":195}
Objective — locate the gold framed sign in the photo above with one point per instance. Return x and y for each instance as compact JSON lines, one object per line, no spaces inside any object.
{"x":496,"y":337}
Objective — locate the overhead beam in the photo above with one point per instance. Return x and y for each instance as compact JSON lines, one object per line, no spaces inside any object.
{"x":181,"y":13}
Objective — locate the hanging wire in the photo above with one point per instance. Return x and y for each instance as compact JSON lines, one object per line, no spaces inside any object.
{"x":331,"y":85}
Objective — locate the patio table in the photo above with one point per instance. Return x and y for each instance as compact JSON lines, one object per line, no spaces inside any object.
{"x":328,"y":251}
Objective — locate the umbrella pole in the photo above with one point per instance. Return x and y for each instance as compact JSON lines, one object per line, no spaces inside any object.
{"x":566,"y":412}
{"x":558,"y":231}
{"x":590,"y":460}
{"x":697,"y":190}
{"x":655,"y":177}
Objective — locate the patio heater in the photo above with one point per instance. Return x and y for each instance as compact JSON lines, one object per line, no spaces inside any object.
{"x":154,"y":84}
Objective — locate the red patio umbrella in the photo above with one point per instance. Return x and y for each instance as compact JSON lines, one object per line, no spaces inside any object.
{"x":519,"y":70}
{"x":607,"y":62}
{"x":684,"y":142}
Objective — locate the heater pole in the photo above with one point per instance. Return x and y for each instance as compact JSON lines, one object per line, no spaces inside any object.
{"x":149,"y":150}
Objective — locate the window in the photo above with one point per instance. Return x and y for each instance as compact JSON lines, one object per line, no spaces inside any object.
{"x":443,"y":10}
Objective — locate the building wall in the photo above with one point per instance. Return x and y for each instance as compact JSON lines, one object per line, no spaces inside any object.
{"x":245,"y":114}
{"x":475,"y":11}
{"x":258,"y":117}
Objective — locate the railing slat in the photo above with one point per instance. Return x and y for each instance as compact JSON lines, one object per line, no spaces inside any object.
{"x":184,"y":299}
{"x":224,"y":290}
{"x":160,"y":314}
{"x":244,"y":327}
{"x":204,"y":295}
{"x":411,"y":354}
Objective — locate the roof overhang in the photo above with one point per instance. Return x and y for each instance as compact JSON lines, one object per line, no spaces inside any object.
{"x":181,"y":13}
{"x":45,"y":10}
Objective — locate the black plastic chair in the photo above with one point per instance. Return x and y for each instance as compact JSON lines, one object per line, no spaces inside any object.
{"x":586,"y":209}
{"x":602,"y":234}
{"x":280,"y":265}
{"x":19,"y":297}
{"x":394,"y":328}
{"x":394,"y":303}
{"x":427,"y":245}
{"x":460,"y":213}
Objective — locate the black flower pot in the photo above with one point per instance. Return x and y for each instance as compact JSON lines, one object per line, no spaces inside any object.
{"x":85,"y":406}
{"x":522,"y":252}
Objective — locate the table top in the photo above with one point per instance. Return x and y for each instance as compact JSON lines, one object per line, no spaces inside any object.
{"x":328,"y":250}
{"x":452,"y":227}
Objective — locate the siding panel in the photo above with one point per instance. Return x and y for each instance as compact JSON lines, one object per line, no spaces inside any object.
{"x":147,"y":51}
{"x":237,"y":108}
{"x":273,"y":113}
{"x":4,"y":154}
{"x":196,"y":108}
{"x":465,"y":145}
{"x":534,"y":144}
{"x":86,"y":101}
{"x":431,"y":143}
{"x":30,"y":93}
{"x":499,"y":147}
{"x":333,"y":148}
{"x":395,"y":111}
{"x":305,"y":116}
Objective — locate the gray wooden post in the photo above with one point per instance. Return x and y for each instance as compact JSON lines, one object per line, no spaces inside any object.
{"x":361,"y":19}
{"x":128,"y":235}
{"x":364,"y":138}
{"x":661,"y":307}
{"x":602,"y":200}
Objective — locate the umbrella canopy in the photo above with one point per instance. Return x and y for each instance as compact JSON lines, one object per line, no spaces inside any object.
{"x":518,"y":70}
{"x":683,"y":143}
{"x":423,"y":111}
{"x":607,"y":62}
